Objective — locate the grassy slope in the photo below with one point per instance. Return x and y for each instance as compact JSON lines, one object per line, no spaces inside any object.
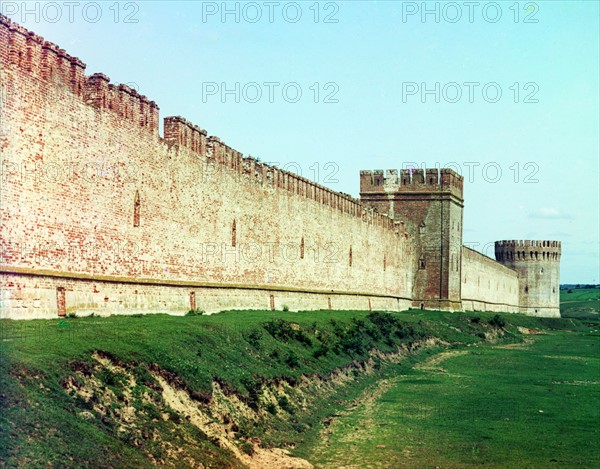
{"x":40,"y":423}
{"x":581,"y":303}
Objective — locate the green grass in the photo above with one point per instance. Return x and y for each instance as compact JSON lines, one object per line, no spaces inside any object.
{"x":581,"y":303}
{"x":42,"y":424}
{"x":532,"y":406}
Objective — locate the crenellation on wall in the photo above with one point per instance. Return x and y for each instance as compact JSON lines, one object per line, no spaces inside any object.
{"x":527,"y":250}
{"x":122,"y":100}
{"x":5,"y":39}
{"x":129,"y":105}
{"x":41,"y":59}
{"x":411,"y":180}
{"x":178,"y":131}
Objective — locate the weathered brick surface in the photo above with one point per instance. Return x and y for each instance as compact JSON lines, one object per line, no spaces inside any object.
{"x":83,"y":164}
{"x":99,"y":209}
{"x":488,"y":285}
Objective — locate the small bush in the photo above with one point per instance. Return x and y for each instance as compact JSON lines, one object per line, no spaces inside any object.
{"x":476,"y":320}
{"x":284,"y":331}
{"x":253,"y":338}
{"x":72,"y":315}
{"x":322,"y":351}
{"x":286,"y":308}
{"x":247,"y":448}
{"x":284,"y":403}
{"x":292,"y":359}
{"x":497,"y":322}
{"x":272,"y":408}
{"x":195,"y":312}
{"x":254,"y":387}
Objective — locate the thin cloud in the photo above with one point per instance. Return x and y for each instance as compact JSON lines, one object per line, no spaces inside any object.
{"x":550,"y":213}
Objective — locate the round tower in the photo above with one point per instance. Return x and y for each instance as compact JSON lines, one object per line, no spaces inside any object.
{"x":538,"y":266}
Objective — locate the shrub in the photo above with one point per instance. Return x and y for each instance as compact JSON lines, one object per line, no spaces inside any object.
{"x":497,"y":322}
{"x":272,"y":408}
{"x":247,"y":448}
{"x":195,"y":312}
{"x":284,"y":403}
{"x":292,"y":359}
{"x":476,"y":320}
{"x":286,"y":308}
{"x":321,"y":351}
{"x":353,"y":342}
{"x":253,"y":338}
{"x":284,"y":331}
{"x":254,"y":387}
{"x":72,"y":314}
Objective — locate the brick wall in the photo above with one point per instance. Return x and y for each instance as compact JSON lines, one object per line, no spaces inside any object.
{"x":95,"y":201}
{"x":488,"y":285}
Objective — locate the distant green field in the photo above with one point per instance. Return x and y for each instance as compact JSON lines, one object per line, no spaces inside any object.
{"x":582,"y":303}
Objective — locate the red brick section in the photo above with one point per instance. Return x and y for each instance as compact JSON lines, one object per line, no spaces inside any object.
{"x":95,"y":201}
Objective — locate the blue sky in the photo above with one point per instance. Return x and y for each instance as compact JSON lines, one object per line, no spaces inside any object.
{"x":534,"y":163}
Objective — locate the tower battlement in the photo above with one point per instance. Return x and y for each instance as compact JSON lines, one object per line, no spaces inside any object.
{"x":411,"y":180}
{"x":527,"y":250}
{"x":538,"y":265}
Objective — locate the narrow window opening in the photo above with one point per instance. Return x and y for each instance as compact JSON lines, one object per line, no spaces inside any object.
{"x":384,"y":263}
{"x":526,"y":289}
{"x":136,"y":209}
{"x":350,"y":257}
{"x":233,"y":234}
{"x":302,"y":248}
{"x":422,"y":262}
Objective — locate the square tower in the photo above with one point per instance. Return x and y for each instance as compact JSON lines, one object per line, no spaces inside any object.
{"x":430,"y":203}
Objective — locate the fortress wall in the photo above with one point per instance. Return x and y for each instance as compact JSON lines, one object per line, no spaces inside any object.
{"x":83,"y":163}
{"x":35,"y":297}
{"x":487,"y":285}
